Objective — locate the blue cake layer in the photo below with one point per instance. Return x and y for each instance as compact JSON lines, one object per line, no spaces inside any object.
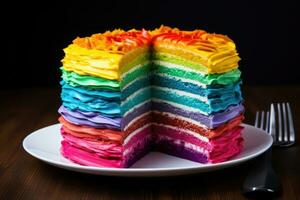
{"x":135,"y":99}
{"x":103,"y":94}
{"x":212,"y":106}
{"x":106,"y":103}
{"x":211,"y":92}
{"x":134,"y":86}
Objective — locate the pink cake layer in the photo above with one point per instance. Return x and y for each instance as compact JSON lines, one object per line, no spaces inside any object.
{"x":99,"y":153}
{"x":214,"y":150}
{"x":87,"y":151}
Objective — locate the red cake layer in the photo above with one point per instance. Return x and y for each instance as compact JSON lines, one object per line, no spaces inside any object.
{"x":163,"y":118}
{"x":104,"y":134}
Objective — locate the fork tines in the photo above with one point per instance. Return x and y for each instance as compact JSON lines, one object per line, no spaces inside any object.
{"x":263,"y":124}
{"x":278,"y":122}
{"x":282,"y":126}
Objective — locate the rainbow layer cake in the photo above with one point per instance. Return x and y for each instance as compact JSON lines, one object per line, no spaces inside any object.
{"x":125,"y":93}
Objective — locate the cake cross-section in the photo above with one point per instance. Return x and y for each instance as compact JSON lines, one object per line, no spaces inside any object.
{"x":126,"y":93}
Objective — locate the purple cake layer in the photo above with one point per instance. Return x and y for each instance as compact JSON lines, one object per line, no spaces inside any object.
{"x":90,"y":119}
{"x":135,"y":113}
{"x":211,"y":121}
{"x":170,"y":147}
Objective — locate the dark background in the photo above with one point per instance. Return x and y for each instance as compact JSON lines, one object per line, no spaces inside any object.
{"x":265,"y":33}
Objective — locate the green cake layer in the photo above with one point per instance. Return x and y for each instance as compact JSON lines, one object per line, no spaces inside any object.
{"x":180,"y":61}
{"x":89,"y":82}
{"x":210,"y":79}
{"x":139,"y":60}
{"x":135,"y":73}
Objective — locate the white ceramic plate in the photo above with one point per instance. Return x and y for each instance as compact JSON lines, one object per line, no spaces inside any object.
{"x":44,"y":144}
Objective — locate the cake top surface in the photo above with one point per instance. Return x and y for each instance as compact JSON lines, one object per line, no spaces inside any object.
{"x":116,"y":41}
{"x":120,"y":41}
{"x":199,"y":39}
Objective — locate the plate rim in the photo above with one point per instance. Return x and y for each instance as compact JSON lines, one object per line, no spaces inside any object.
{"x":140,"y":170}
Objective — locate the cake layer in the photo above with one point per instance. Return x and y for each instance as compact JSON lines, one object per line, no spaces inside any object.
{"x":211,"y":121}
{"x":89,"y":82}
{"x":92,"y":119}
{"x":133,"y":59}
{"x":137,"y":124}
{"x":227,"y":146}
{"x":193,"y":126}
{"x":136,"y":98}
{"x":213,"y":53}
{"x":135,"y":112}
{"x":93,"y":62}
{"x":186,"y":58}
{"x":104,"y":55}
{"x":197,"y":102}
{"x":107,"y":133}
{"x":85,"y":131}
{"x":109,"y":66}
{"x":190,"y":75}
{"x":137,"y":145}
{"x":93,"y":123}
{"x":176,"y":148}
{"x":217,"y":92}
{"x":92,"y":152}
{"x":101,"y":94}
{"x":104,"y":149}
{"x":177,"y":134}
{"x":87,"y":158}
{"x":137,"y":84}
{"x":134,"y":73}
{"x":91,"y":101}
{"x":174,"y":142}
{"x":172,"y":59}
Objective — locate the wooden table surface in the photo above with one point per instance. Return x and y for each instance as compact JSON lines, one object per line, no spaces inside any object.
{"x":24,"y":177}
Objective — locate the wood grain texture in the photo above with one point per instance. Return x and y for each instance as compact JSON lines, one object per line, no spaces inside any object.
{"x":24,"y":177}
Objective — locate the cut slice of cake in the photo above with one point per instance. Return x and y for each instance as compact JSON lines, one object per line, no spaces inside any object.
{"x":196,"y":95}
{"x":105,"y":115}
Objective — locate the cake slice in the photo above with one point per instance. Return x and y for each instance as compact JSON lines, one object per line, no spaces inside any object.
{"x":196,"y":95}
{"x":105,"y":114}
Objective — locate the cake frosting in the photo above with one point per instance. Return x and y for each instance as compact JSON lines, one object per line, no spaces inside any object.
{"x":125,"y":93}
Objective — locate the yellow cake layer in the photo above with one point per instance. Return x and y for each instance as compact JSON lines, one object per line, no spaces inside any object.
{"x":100,"y":63}
{"x":215,"y":62}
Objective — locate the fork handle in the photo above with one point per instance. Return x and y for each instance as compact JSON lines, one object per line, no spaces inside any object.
{"x":262,"y":181}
